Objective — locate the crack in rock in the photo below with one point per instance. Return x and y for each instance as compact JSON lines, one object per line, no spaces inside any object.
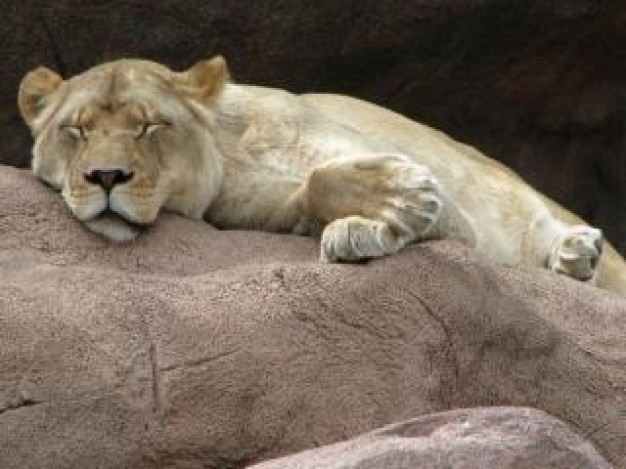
{"x":18,"y":403}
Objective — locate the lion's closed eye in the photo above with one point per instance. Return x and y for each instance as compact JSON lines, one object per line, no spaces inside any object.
{"x":149,"y":128}
{"x":77,"y":131}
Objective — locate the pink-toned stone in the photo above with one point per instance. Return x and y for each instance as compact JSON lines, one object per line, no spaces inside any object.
{"x":480,"y":438}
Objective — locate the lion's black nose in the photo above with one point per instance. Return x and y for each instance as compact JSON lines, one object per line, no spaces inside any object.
{"x":108,"y":178}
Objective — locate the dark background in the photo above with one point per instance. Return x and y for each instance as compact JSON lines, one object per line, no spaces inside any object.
{"x":539,"y":85}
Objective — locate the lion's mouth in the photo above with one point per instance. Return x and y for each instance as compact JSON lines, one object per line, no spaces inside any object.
{"x":110,"y":215}
{"x":115,"y":227}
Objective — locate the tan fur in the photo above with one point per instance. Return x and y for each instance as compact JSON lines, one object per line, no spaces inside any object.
{"x":137,"y":138}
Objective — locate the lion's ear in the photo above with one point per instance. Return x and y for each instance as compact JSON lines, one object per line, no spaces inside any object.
{"x":35,"y":89}
{"x":204,"y":80}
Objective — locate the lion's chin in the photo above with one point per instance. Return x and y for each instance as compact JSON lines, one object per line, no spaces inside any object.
{"x":114,"y":227}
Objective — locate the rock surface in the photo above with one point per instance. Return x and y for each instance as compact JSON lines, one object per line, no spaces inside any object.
{"x":481,"y":438}
{"x":193,"y":347}
{"x":539,"y":85}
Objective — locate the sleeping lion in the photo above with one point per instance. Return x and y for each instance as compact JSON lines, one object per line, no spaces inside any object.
{"x":126,"y":139}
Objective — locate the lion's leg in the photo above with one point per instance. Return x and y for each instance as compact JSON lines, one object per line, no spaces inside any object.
{"x":374,"y":206}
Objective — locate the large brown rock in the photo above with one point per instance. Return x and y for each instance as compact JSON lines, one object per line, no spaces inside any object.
{"x":482,"y":438}
{"x":193,"y":347}
{"x":537,"y":84}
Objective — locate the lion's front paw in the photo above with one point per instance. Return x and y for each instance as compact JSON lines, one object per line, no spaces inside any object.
{"x":411,"y":201}
{"x":577,"y":253}
{"x":352,"y":239}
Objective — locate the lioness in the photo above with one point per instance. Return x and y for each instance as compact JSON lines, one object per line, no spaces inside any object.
{"x":128,"y":138}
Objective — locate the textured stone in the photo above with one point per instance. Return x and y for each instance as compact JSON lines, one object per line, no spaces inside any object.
{"x":193,"y":347}
{"x":481,"y":438}
{"x":537,"y":84}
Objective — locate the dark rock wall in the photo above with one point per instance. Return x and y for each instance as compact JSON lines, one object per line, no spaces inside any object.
{"x":538,"y":84}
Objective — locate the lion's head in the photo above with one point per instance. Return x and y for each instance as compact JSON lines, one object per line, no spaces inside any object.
{"x":125,"y":139}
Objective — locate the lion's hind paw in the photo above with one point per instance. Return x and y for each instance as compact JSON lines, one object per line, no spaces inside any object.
{"x":577,"y":253}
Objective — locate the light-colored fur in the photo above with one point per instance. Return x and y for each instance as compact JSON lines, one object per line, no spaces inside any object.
{"x":369,"y":181}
